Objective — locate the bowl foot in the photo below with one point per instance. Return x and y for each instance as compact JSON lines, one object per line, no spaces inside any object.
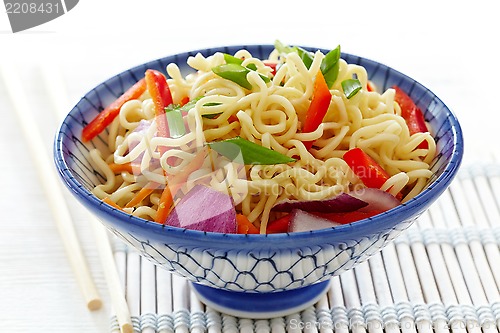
{"x":260,"y":305}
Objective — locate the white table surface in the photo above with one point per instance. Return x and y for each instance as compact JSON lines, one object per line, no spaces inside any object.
{"x":449,"y":46}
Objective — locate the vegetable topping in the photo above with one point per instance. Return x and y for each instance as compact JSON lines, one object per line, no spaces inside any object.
{"x":319,"y":106}
{"x":248,"y":153}
{"x":206,"y":209}
{"x":412,"y":114}
{"x":366,"y":168}
{"x":106,"y":117}
{"x":343,"y":202}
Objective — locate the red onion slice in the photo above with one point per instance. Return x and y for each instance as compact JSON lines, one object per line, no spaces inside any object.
{"x":205,"y":209}
{"x":339,"y":204}
{"x":376,"y":199}
{"x":304,"y":221}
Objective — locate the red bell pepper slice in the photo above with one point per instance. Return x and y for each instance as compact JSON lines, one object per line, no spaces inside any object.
{"x":273,"y":66}
{"x":106,"y":117}
{"x":319,"y":106}
{"x":159,"y":90}
{"x":370,"y":86}
{"x":412,"y":114}
{"x":366,"y":168}
{"x":279,"y":225}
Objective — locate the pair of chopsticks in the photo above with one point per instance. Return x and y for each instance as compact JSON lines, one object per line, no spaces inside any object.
{"x":57,"y":203}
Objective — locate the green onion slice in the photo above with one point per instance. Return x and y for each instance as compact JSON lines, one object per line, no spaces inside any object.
{"x":306,"y":56}
{"x":351,"y":87}
{"x":189,"y":105}
{"x":237,"y":73}
{"x":282,"y":48}
{"x":175,"y":122}
{"x":229,"y":59}
{"x":330,"y":66}
{"x":245,"y":152}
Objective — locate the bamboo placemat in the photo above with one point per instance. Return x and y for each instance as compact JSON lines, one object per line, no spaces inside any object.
{"x":441,"y":275}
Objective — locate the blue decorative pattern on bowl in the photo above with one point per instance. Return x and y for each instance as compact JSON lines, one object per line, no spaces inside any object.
{"x":254,"y":263}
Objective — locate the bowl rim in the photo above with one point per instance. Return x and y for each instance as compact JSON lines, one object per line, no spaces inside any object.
{"x":403,"y":211}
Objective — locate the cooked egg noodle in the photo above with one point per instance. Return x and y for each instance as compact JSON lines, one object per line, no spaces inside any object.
{"x":270,"y":114}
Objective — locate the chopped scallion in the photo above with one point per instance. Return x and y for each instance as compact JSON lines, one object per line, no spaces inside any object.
{"x":306,"y":56}
{"x":351,"y":87}
{"x":330,"y":66}
{"x":229,"y":59}
{"x":175,"y":122}
{"x":236,"y":73}
{"x":245,"y":152}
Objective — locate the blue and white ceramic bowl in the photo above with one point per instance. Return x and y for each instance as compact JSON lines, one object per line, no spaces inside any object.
{"x":255,"y":275}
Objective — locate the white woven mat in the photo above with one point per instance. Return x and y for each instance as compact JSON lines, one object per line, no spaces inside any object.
{"x":441,"y":275}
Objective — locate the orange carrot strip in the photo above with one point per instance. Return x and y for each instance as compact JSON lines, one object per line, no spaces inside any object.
{"x":142,"y":194}
{"x":111,"y":203}
{"x":184,"y":100}
{"x":166,"y":201}
{"x":245,"y":226}
{"x":118,"y":168}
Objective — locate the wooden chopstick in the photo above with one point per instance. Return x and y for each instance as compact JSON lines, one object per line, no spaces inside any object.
{"x":57,"y":93}
{"x":51,"y":185}
{"x":122,"y":315}
{"x":118,"y":301}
